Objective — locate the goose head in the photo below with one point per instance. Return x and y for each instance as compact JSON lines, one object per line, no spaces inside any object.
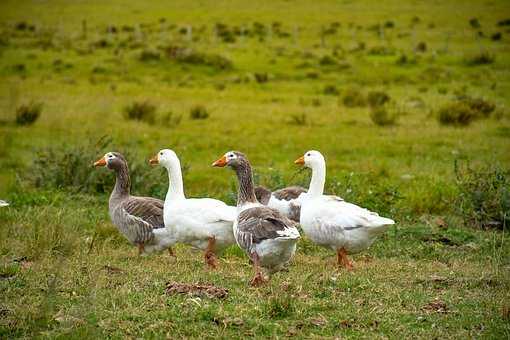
{"x":310,"y":159}
{"x":234,"y":159}
{"x":112,"y":161}
{"x":167,"y":158}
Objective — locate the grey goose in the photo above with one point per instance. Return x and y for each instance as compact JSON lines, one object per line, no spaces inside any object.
{"x":139,"y":219}
{"x":266,"y":236}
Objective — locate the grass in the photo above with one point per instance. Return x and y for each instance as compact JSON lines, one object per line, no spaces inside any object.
{"x":260,"y":69}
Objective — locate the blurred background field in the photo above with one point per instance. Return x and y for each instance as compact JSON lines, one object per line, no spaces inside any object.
{"x":408,"y":101}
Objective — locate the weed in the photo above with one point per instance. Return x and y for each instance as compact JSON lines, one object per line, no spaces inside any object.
{"x":190,"y":56}
{"x":198,"y":112}
{"x":149,"y":55}
{"x":279,"y":306}
{"x":143,"y":111}
{"x":261,"y":77}
{"x":456,"y":113}
{"x":352,"y":97}
{"x":327,"y":60}
{"x":298,"y":119}
{"x":421,"y":47}
{"x":330,"y":90}
{"x":504,"y":22}
{"x":484,"y":199}
{"x":474,"y":23}
{"x":496,"y":36}
{"x":482,"y":58}
{"x":377,"y":98}
{"x":169,"y":119}
{"x":380,"y":116}
{"x":28,"y":114}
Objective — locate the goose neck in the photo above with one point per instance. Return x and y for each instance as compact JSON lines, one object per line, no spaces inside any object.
{"x":122,"y":182}
{"x":246,"y":192}
{"x":175,"y":185}
{"x":318,"y":179}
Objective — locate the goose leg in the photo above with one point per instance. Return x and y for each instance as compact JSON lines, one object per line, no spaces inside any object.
{"x":141,"y":248}
{"x":343,"y":260}
{"x":258,"y":279}
{"x":209,"y":256}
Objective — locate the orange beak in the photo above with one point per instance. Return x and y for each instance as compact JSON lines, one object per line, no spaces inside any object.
{"x":100,"y":162}
{"x":220,"y":162}
{"x":300,"y":161}
{"x":154,"y":160}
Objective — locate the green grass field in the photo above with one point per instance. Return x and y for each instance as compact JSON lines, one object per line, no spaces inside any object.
{"x":277,"y":78}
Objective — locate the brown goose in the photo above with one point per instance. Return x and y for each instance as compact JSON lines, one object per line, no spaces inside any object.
{"x":139,"y":219}
{"x":268,"y":237}
{"x":286,"y":200}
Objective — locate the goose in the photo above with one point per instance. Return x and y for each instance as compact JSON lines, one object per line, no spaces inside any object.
{"x":268,"y":237}
{"x":139,"y":219}
{"x":331,"y":222}
{"x":3,"y":203}
{"x":286,"y":200}
{"x":203,"y":223}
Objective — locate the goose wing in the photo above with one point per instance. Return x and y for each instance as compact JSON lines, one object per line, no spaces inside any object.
{"x":136,"y":218}
{"x":289,"y":193}
{"x":262,"y":223}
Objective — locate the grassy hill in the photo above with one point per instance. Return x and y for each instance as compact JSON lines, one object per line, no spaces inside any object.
{"x":408,"y":101}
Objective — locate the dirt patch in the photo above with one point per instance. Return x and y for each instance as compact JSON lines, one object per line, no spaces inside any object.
{"x":201,"y":290}
{"x":436,"y":306}
{"x":110,"y":270}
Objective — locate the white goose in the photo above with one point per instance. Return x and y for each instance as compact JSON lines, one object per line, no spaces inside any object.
{"x":330,"y":221}
{"x":203,"y":223}
{"x":3,"y":203}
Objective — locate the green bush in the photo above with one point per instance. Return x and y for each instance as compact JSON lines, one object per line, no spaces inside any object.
{"x":70,"y":168}
{"x":352,"y":97}
{"x":465,"y":110}
{"x":198,"y":112}
{"x":456,"y":113}
{"x":143,"y":111}
{"x":29,"y":113}
{"x":484,"y":199}
{"x":380,"y":116}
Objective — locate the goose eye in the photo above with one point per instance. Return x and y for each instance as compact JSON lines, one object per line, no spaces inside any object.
{"x":308,"y":154}
{"x":161,"y":154}
{"x":110,"y":156}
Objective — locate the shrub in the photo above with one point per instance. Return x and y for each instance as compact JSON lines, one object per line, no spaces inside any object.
{"x":298,"y":119}
{"x":190,"y":56}
{"x":421,"y":47}
{"x":169,"y":119}
{"x":474,"y":23}
{"x":380,"y":116}
{"x":377,"y":98}
{"x":484,"y":199}
{"x":327,"y":60}
{"x":330,"y":90}
{"x":261,"y":77}
{"x":29,"y":113}
{"x":198,"y":112}
{"x":352,"y":97}
{"x":496,"y":36}
{"x":481,"y":107}
{"x":69,"y":167}
{"x":141,"y":111}
{"x":482,"y":58}
{"x":456,"y":113}
{"x":149,"y":55}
